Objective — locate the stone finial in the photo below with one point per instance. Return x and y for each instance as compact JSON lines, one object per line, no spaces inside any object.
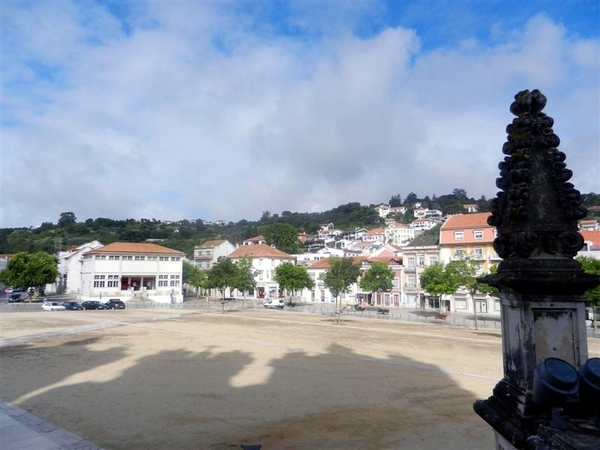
{"x":536,"y":214}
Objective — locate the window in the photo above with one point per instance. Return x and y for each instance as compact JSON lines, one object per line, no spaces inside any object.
{"x":113,"y":281}
{"x":478,"y":253}
{"x":113,"y":257}
{"x":421,"y":261}
{"x":100,"y":257}
{"x":458,"y":252}
{"x":410,"y":263}
{"x":396,"y":282}
{"x":140,"y":258}
{"x":433,"y":260}
{"x":163,"y":258}
{"x":460,"y":304}
{"x":458,"y":235}
{"x":151,"y":258}
{"x":175,"y":258}
{"x":478,"y":234}
{"x":163,"y":280}
{"x":128,"y":258}
{"x":412,"y":281}
{"x":99,"y":281}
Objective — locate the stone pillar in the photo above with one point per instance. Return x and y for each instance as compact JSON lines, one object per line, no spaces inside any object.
{"x":541,"y":287}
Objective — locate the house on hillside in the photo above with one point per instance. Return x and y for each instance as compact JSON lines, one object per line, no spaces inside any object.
{"x":208,"y":253}
{"x":132,"y":271}
{"x":471,"y":208}
{"x":470,"y":236}
{"x":374,"y":235}
{"x":399,"y":234}
{"x":265,"y":260}
{"x":354,"y":235}
{"x":591,"y":244}
{"x":69,"y":268}
{"x":423,"y":224}
{"x":589,"y":225}
{"x":432,"y":214}
{"x":420,"y":253}
{"x":256,"y":240}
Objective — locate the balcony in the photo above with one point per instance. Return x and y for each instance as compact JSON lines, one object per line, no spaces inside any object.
{"x":412,"y":269}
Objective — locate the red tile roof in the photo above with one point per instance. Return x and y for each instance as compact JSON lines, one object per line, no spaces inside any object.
{"x":461,"y":221}
{"x":212,"y":244}
{"x":135,"y":247}
{"x":592,"y":236}
{"x":259,"y":251}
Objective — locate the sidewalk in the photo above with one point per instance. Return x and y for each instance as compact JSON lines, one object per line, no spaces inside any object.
{"x":21,"y":430}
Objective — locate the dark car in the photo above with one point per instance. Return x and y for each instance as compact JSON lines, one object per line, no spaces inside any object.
{"x":72,"y":306}
{"x":15,"y":297}
{"x":93,"y":304}
{"x":114,"y":303}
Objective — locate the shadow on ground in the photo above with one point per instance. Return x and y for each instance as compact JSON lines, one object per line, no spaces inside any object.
{"x":226,"y":395}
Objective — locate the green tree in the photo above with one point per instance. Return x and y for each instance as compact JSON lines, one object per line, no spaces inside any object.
{"x":221,"y":276}
{"x":197,"y":279}
{"x":244,"y":280}
{"x":439,"y":279}
{"x":378,"y":278}
{"x":284,"y":237}
{"x":30,"y":270}
{"x":396,"y":200}
{"x":341,"y":275}
{"x":66,"y":219}
{"x":292,"y":277}
{"x":466,"y":270}
{"x":592,"y":296}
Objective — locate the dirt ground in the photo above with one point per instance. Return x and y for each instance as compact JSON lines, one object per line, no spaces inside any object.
{"x":154,"y":379}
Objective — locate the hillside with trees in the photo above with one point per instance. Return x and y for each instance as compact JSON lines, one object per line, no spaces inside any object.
{"x":183,"y":235}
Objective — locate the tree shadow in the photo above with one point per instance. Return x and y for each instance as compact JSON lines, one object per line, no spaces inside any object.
{"x":229,"y":394}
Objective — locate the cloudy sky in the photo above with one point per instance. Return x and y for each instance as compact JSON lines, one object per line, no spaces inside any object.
{"x":223,"y":110}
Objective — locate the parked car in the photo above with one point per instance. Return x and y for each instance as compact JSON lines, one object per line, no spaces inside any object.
{"x":73,"y":306}
{"x":93,"y":304}
{"x":274,"y":303}
{"x":115,"y":303}
{"x":52,"y":306}
{"x":13,"y":298}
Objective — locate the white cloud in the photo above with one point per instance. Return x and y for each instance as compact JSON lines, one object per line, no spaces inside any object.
{"x":197,"y":112}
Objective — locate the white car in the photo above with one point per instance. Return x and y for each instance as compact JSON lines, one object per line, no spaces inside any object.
{"x":52,"y":306}
{"x":274,"y":303}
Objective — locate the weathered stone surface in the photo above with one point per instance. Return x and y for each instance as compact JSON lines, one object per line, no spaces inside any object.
{"x":541,"y":287}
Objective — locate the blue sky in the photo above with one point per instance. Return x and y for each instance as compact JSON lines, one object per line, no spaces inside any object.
{"x":223,"y":110}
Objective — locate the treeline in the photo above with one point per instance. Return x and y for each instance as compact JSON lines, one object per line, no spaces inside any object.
{"x":185,"y":234}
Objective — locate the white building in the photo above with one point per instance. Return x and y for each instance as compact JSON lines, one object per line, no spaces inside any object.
{"x":399,"y":234}
{"x":422,"y":224}
{"x":69,"y":267}
{"x":208,"y":253}
{"x":129,"y":271}
{"x":265,"y":260}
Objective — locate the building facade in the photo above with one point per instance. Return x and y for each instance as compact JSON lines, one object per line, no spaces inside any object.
{"x":132,"y":271}
{"x":265,"y":260}
{"x":208,"y":253}
{"x":470,"y":236}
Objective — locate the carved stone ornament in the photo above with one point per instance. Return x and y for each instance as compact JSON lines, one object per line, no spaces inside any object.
{"x":537,"y":210}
